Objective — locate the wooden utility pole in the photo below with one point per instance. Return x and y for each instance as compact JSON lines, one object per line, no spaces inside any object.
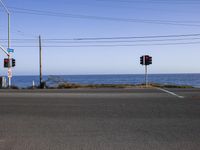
{"x":40,"y":60}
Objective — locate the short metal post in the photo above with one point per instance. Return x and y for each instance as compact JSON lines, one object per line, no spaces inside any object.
{"x":146,"y":76}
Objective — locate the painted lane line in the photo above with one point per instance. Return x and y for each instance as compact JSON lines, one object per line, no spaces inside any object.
{"x":171,"y":93}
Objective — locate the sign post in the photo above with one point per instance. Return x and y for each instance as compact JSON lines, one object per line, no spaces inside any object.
{"x":10,"y":65}
{"x":9,"y":73}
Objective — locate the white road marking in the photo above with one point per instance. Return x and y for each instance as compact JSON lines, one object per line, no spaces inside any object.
{"x":169,"y":92}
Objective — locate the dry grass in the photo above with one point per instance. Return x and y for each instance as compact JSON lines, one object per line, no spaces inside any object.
{"x":73,"y":86}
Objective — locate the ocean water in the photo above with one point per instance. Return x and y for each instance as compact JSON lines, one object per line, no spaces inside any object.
{"x":177,"y":79}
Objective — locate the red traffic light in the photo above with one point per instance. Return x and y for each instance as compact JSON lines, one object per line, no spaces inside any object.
{"x":6,"y":63}
{"x":6,"y":60}
{"x":146,"y":60}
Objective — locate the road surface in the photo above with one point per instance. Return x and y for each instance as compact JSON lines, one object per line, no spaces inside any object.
{"x":100,"y":119}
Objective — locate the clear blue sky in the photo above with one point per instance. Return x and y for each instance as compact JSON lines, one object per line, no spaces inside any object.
{"x":27,"y":24}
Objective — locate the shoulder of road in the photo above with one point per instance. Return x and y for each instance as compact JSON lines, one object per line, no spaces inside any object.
{"x":104,"y":92}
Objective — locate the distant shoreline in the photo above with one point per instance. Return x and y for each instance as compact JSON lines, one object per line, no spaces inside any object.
{"x":192,"y":80}
{"x":106,"y":74}
{"x":100,"y":86}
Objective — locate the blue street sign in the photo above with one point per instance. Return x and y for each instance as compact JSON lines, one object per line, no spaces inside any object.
{"x":10,"y":50}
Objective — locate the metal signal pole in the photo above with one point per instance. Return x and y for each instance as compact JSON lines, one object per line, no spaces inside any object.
{"x":146,"y":76}
{"x":146,"y":60}
{"x":9,"y":54}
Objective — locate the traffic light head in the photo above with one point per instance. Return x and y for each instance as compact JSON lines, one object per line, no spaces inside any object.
{"x":13,"y":62}
{"x":146,"y":60}
{"x":150,"y":61}
{"x":6,"y":63}
{"x":141,"y":60}
{"x":9,"y":63}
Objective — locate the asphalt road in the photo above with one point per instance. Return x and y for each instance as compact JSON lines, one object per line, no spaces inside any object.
{"x":100,"y":119}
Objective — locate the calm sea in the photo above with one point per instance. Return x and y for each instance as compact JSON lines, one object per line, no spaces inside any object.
{"x":178,"y":79}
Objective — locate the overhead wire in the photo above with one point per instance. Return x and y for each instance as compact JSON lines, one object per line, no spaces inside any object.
{"x":132,"y":37}
{"x":186,"y":2}
{"x":116,"y":45}
{"x":192,"y":35}
{"x":147,"y":42}
{"x":104,"y":41}
{"x":80,"y":16}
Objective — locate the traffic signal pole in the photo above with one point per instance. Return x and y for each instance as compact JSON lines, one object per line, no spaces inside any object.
{"x":146,"y":76}
{"x":145,"y":61}
{"x":9,"y":54}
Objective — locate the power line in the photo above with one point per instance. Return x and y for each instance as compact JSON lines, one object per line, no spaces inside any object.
{"x":107,"y":41}
{"x":116,"y":45}
{"x":79,"y":16}
{"x":132,"y":37}
{"x":113,"y":38}
{"x":153,"y":1}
